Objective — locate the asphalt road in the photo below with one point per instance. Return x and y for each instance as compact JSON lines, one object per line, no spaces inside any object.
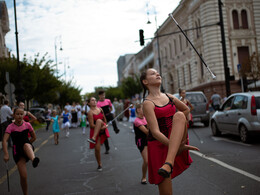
{"x":222,"y":166}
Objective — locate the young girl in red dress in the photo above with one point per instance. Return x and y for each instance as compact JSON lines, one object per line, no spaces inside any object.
{"x":98,"y":129}
{"x":168,"y":154}
{"x":22,"y":145}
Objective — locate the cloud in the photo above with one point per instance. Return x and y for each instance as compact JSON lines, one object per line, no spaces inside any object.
{"x":94,"y":33}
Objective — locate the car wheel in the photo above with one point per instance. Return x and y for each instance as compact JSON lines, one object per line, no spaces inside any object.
{"x":243,"y":132}
{"x":206,"y":123}
{"x":214,"y":129}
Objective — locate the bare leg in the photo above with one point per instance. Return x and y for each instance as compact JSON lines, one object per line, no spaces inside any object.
{"x":21,"y":165}
{"x":29,"y":151}
{"x":165,"y":187}
{"x":97,"y":152}
{"x":145,"y":163}
{"x":98,"y":125}
{"x":177,"y":136}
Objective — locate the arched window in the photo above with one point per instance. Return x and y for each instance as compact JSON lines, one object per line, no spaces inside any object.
{"x":244,"y":19}
{"x":180,"y":42}
{"x":235,"y":19}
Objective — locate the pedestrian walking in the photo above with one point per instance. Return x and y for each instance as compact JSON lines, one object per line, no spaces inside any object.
{"x":141,"y":133}
{"x":182,"y":94}
{"x":168,"y":154}
{"x":83,"y":122}
{"x":55,"y":126}
{"x":215,"y":101}
{"x":6,"y":119}
{"x":98,"y":129}
{"x":66,"y":121}
{"x":106,"y":106}
{"x":22,"y":146}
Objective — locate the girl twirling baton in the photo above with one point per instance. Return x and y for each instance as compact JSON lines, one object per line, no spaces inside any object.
{"x":167,"y":149}
{"x":22,"y":145}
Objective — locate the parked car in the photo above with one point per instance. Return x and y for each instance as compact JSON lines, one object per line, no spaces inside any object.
{"x":239,"y":114}
{"x":38,"y":113}
{"x":200,"y":112}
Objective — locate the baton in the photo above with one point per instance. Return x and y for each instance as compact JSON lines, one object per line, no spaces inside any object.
{"x":110,"y":122}
{"x":211,"y":73}
{"x":7,"y":175}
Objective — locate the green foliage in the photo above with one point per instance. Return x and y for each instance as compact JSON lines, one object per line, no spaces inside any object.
{"x":38,"y":80}
{"x":131,"y":86}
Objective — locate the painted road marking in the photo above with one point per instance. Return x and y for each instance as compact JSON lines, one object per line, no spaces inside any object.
{"x":230,"y":141}
{"x":226,"y":165}
{"x":12,"y":170}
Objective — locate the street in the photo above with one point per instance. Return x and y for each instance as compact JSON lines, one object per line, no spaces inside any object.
{"x":224,"y":165}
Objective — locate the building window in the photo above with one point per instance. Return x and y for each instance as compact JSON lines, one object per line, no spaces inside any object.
{"x":170,"y":50}
{"x":175,"y":48}
{"x":189,"y":68}
{"x":244,"y":19}
{"x":179,"y":81}
{"x":187,"y":43}
{"x":235,"y":19}
{"x":183,"y":76}
{"x":180,"y":42}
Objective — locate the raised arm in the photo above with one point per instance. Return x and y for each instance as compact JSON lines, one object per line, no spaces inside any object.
{"x":180,"y":105}
{"x":153,"y":124}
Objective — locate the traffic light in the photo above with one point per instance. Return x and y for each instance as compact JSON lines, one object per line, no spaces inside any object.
{"x":141,"y":37}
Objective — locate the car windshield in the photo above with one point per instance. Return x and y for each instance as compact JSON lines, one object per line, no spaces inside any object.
{"x":198,"y":98}
{"x":257,"y":101}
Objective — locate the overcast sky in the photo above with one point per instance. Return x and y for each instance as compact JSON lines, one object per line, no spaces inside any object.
{"x":94,"y":33}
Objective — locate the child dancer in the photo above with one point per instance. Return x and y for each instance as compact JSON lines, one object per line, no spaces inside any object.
{"x":83,"y":122}
{"x":66,"y":123}
{"x":55,"y":126}
{"x":182,"y":94}
{"x":132,"y":115}
{"x":141,"y":132}
{"x":22,"y":146}
{"x":167,"y":148}
{"x":97,"y":123}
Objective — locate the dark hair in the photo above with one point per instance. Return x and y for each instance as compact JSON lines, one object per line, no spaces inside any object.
{"x":6,"y":102}
{"x":88,"y":101}
{"x":143,"y":77}
{"x":180,"y":90}
{"x":16,"y":108}
{"x":101,"y":92}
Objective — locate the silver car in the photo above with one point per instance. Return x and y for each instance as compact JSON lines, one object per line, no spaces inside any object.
{"x":239,"y":115}
{"x":200,"y":112}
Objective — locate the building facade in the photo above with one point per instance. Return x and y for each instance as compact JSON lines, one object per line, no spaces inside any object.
{"x":4,"y":28}
{"x":181,"y":67}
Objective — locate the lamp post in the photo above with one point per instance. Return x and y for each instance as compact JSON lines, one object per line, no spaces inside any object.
{"x":19,"y":90}
{"x":57,"y":38}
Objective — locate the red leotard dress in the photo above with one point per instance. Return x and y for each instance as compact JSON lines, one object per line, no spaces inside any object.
{"x":103,"y":135}
{"x":157,"y":152}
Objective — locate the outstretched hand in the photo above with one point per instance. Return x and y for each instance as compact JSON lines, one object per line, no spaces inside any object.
{"x":184,"y":146}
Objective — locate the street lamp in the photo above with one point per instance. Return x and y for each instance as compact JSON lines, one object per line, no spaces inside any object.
{"x":57,"y":38}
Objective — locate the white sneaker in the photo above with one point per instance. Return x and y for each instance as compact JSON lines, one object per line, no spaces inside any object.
{"x":67,"y":134}
{"x":99,"y":168}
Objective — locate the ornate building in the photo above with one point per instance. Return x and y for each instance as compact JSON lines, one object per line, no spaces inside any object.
{"x":4,"y":28}
{"x":180,"y":65}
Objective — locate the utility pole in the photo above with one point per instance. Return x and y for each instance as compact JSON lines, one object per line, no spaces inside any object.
{"x":19,"y":90}
{"x":223,"y":41}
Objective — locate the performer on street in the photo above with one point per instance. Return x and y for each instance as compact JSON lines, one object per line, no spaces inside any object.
{"x":66,"y":121}
{"x":106,"y":106}
{"x":141,"y":133}
{"x":182,"y":94}
{"x":168,"y":154}
{"x":22,"y":146}
{"x":97,"y":123}
{"x":55,"y":126}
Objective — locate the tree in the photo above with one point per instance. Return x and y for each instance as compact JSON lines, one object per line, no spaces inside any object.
{"x":131,"y":86}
